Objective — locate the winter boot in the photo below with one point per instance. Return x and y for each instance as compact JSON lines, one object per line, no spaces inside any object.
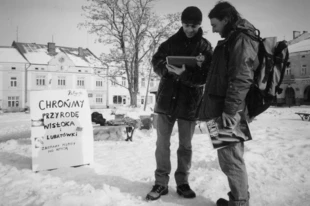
{"x":185,"y":191}
{"x":232,"y":201}
{"x":221,"y":202}
{"x":156,"y":192}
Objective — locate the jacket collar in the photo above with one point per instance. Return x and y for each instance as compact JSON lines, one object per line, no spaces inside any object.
{"x":180,"y":35}
{"x":241,"y":24}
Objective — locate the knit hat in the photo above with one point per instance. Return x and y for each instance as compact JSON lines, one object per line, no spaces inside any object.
{"x":191,"y":15}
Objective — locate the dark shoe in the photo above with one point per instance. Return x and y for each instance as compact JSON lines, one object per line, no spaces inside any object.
{"x":185,"y":191}
{"x":156,"y":192}
{"x":221,"y":202}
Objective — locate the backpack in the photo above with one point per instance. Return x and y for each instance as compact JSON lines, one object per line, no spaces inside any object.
{"x":97,"y":118}
{"x":268,"y":76}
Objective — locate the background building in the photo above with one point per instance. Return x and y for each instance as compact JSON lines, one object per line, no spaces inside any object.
{"x":296,"y":83}
{"x":119,"y":94}
{"x":12,"y":79}
{"x":27,"y":67}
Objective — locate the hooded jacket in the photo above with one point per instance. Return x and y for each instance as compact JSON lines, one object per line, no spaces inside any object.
{"x":231,"y":74}
{"x":179,"y":96}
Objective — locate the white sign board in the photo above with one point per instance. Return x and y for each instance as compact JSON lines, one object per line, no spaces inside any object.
{"x":61,"y":129}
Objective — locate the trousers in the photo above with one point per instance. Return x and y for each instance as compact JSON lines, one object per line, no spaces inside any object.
{"x":232,"y":164}
{"x":162,"y":153}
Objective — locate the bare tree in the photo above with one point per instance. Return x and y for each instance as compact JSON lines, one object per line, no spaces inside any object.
{"x":133,"y":30}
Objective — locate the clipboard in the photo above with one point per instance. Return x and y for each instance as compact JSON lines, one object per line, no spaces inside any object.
{"x":189,"y":61}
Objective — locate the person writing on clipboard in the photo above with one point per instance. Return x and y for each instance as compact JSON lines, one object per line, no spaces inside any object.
{"x":179,"y":93}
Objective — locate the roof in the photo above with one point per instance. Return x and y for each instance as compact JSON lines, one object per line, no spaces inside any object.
{"x":11,"y":55}
{"x":38,"y":54}
{"x":300,"y":46}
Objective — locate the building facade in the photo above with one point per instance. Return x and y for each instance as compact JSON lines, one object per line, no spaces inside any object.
{"x":12,"y":79}
{"x":27,"y":67}
{"x":296,"y":82}
{"x":119,"y":94}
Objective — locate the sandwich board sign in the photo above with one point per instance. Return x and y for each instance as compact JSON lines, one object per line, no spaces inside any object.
{"x":61,"y":129}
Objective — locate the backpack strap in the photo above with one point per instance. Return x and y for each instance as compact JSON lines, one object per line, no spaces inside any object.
{"x":233,"y":36}
{"x":284,"y":62}
{"x":255,"y":36}
{"x":262,"y":53}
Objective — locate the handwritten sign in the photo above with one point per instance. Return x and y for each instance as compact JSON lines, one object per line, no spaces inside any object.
{"x":61,"y":129}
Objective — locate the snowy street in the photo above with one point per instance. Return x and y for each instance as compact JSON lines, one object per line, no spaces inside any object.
{"x":123,"y":172}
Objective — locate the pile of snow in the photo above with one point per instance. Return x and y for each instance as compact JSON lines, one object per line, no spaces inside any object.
{"x":123,"y":172}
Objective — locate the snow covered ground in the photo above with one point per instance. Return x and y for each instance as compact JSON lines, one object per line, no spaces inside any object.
{"x":123,"y":172}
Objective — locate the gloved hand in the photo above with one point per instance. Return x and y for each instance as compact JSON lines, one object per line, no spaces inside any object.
{"x":230,"y":121}
{"x":176,"y":70}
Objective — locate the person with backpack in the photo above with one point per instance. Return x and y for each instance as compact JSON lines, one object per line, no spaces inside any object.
{"x":179,"y":93}
{"x":228,"y":82}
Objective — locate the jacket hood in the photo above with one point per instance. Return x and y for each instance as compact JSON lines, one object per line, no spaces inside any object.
{"x":241,"y":24}
{"x":244,"y":24}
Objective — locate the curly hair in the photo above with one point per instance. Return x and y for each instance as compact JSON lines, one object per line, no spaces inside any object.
{"x":224,"y":9}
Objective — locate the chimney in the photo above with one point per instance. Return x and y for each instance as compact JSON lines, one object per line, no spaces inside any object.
{"x":80,"y":51}
{"x":296,"y":34}
{"x":51,"y":48}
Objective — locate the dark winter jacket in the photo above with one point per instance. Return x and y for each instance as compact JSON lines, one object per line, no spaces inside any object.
{"x":231,"y":74}
{"x":179,"y":96}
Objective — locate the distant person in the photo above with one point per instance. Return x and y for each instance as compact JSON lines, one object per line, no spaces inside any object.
{"x":228,"y":82}
{"x":179,"y":93}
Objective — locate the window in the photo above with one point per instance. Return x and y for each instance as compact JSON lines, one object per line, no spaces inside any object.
{"x":117,"y":99}
{"x":99,"y":99}
{"x":152,"y":83}
{"x":40,"y":80}
{"x":80,"y":82}
{"x":303,"y":69}
{"x":13,"y":82}
{"x":113,"y":83}
{"x":99,"y":83}
{"x":143,"y":82}
{"x":288,"y":71}
{"x":149,"y":99}
{"x":13,"y":68}
{"x":36,"y":68}
{"x":61,"y":81}
{"x":123,"y":81}
{"x":142,"y":99}
{"x":13,"y":101}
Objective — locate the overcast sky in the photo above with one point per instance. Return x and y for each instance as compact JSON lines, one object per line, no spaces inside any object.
{"x":41,"y":21}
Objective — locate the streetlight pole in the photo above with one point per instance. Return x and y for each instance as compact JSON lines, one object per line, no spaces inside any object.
{"x":107,"y":98}
{"x":147,"y":88}
{"x":107,"y":75}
